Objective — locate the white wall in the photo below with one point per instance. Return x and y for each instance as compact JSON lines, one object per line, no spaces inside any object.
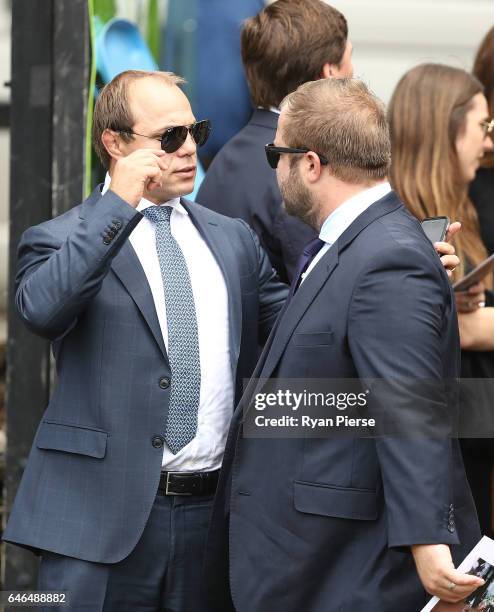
{"x":391,"y":36}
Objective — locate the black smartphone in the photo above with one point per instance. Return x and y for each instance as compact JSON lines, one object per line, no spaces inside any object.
{"x":435,"y":228}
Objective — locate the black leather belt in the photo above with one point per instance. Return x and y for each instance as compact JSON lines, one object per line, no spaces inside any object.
{"x":188,"y":483}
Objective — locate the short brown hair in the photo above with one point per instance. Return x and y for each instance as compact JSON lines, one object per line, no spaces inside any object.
{"x":112,"y":110}
{"x":287,"y":44}
{"x":427,"y":113}
{"x":344,"y":121}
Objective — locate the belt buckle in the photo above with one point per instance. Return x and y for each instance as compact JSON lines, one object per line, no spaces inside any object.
{"x":167,"y":492}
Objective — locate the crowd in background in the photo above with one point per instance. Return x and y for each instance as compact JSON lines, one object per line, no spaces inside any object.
{"x":439,"y":120}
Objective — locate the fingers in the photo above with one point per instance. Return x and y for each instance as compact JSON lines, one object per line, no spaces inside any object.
{"x":477,"y":288}
{"x":450,"y":262}
{"x":444,"y":248}
{"x":472,"y":299}
{"x":463,"y":580}
{"x":154,"y":157}
{"x":455,"y":586}
{"x":154,"y":181}
{"x":453,"y":229}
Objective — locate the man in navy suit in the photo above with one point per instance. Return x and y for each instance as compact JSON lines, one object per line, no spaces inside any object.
{"x":286,"y":44}
{"x":155,"y":308}
{"x":348,"y":522}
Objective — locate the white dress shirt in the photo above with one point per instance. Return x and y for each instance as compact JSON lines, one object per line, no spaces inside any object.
{"x":340,"y":219}
{"x":205,"y":451}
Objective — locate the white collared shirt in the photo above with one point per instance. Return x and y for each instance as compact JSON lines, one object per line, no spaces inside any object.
{"x":340,"y":219}
{"x":205,"y":451}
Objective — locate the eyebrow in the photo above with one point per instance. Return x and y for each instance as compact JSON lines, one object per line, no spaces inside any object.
{"x":161,"y":131}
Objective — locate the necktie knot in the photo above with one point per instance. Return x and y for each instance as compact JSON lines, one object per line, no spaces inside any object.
{"x":158,"y":214}
{"x":313,"y":247}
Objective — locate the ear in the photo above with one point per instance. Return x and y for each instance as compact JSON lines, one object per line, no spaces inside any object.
{"x":329,"y":70}
{"x":112,"y":144}
{"x":312,"y":167}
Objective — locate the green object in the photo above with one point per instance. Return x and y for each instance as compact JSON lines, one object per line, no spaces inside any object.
{"x":154,"y":30}
{"x":90,"y":102}
{"x":104,"y":9}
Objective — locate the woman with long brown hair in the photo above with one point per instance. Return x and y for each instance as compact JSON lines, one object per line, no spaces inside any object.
{"x":440,"y":131}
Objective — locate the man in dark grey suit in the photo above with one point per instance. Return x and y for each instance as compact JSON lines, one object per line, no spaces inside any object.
{"x":286,"y":44}
{"x":345,"y":522}
{"x":155,"y":308}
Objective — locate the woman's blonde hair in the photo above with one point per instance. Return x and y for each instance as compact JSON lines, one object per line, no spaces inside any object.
{"x":426,"y":114}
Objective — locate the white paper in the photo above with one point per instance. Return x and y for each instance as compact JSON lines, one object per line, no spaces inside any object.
{"x":479,"y":561}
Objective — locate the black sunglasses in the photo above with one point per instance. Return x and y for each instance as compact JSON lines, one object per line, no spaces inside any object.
{"x":174,"y":137}
{"x":273,"y":154}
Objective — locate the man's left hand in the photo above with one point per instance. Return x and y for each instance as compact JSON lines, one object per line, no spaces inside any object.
{"x":438,"y":574}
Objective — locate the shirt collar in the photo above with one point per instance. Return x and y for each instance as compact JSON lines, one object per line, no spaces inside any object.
{"x":271,"y":109}
{"x":174,"y":203}
{"x":340,"y":219}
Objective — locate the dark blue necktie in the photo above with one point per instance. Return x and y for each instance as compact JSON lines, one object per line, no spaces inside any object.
{"x":308,"y":254}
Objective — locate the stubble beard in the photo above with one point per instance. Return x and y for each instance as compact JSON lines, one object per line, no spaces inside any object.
{"x":298,"y":200}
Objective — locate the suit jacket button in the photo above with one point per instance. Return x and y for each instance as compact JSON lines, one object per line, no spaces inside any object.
{"x":106,"y":240}
{"x":164,"y":383}
{"x":116,"y":224}
{"x":451,"y":527}
{"x":157,"y":441}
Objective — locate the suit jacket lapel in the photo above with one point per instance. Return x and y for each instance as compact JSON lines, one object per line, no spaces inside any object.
{"x":297,"y":307}
{"x":284,"y":327}
{"x":127,"y":267}
{"x":221,"y":247}
{"x":318,"y":276}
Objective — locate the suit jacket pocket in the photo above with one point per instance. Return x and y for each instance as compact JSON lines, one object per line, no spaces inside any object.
{"x":72,"y":439}
{"x":313,"y":339}
{"x":337,"y":502}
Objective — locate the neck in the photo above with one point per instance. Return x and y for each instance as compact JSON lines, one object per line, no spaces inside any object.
{"x":337,"y":193}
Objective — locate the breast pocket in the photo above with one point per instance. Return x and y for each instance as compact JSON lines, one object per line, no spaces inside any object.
{"x":313,"y":339}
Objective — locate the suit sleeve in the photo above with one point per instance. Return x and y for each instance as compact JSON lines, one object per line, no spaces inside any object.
{"x":272,"y":292}
{"x":400,"y":316}
{"x":56,"y":277}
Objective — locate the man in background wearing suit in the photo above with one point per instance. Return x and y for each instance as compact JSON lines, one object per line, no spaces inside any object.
{"x":155,"y":307}
{"x":332,"y":523}
{"x":286,"y":44}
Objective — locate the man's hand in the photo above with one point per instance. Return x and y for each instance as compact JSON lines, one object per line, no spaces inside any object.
{"x":470,"y":300}
{"x":438,"y":574}
{"x":446,"y":250}
{"x":136,"y":172}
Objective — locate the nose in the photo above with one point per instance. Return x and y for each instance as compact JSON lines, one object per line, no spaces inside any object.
{"x":189,"y":147}
{"x":488,"y":142}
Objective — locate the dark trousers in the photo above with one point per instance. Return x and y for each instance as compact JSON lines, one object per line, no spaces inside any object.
{"x":163,"y":572}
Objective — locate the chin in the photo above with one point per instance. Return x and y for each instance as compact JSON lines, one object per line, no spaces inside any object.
{"x":187,"y":188}
{"x":473,"y":172}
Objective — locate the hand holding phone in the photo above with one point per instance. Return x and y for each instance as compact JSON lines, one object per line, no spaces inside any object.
{"x":435,"y":228}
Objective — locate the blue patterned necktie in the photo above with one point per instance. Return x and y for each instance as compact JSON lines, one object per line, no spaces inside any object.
{"x":308,"y":254}
{"x":183,"y":339}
